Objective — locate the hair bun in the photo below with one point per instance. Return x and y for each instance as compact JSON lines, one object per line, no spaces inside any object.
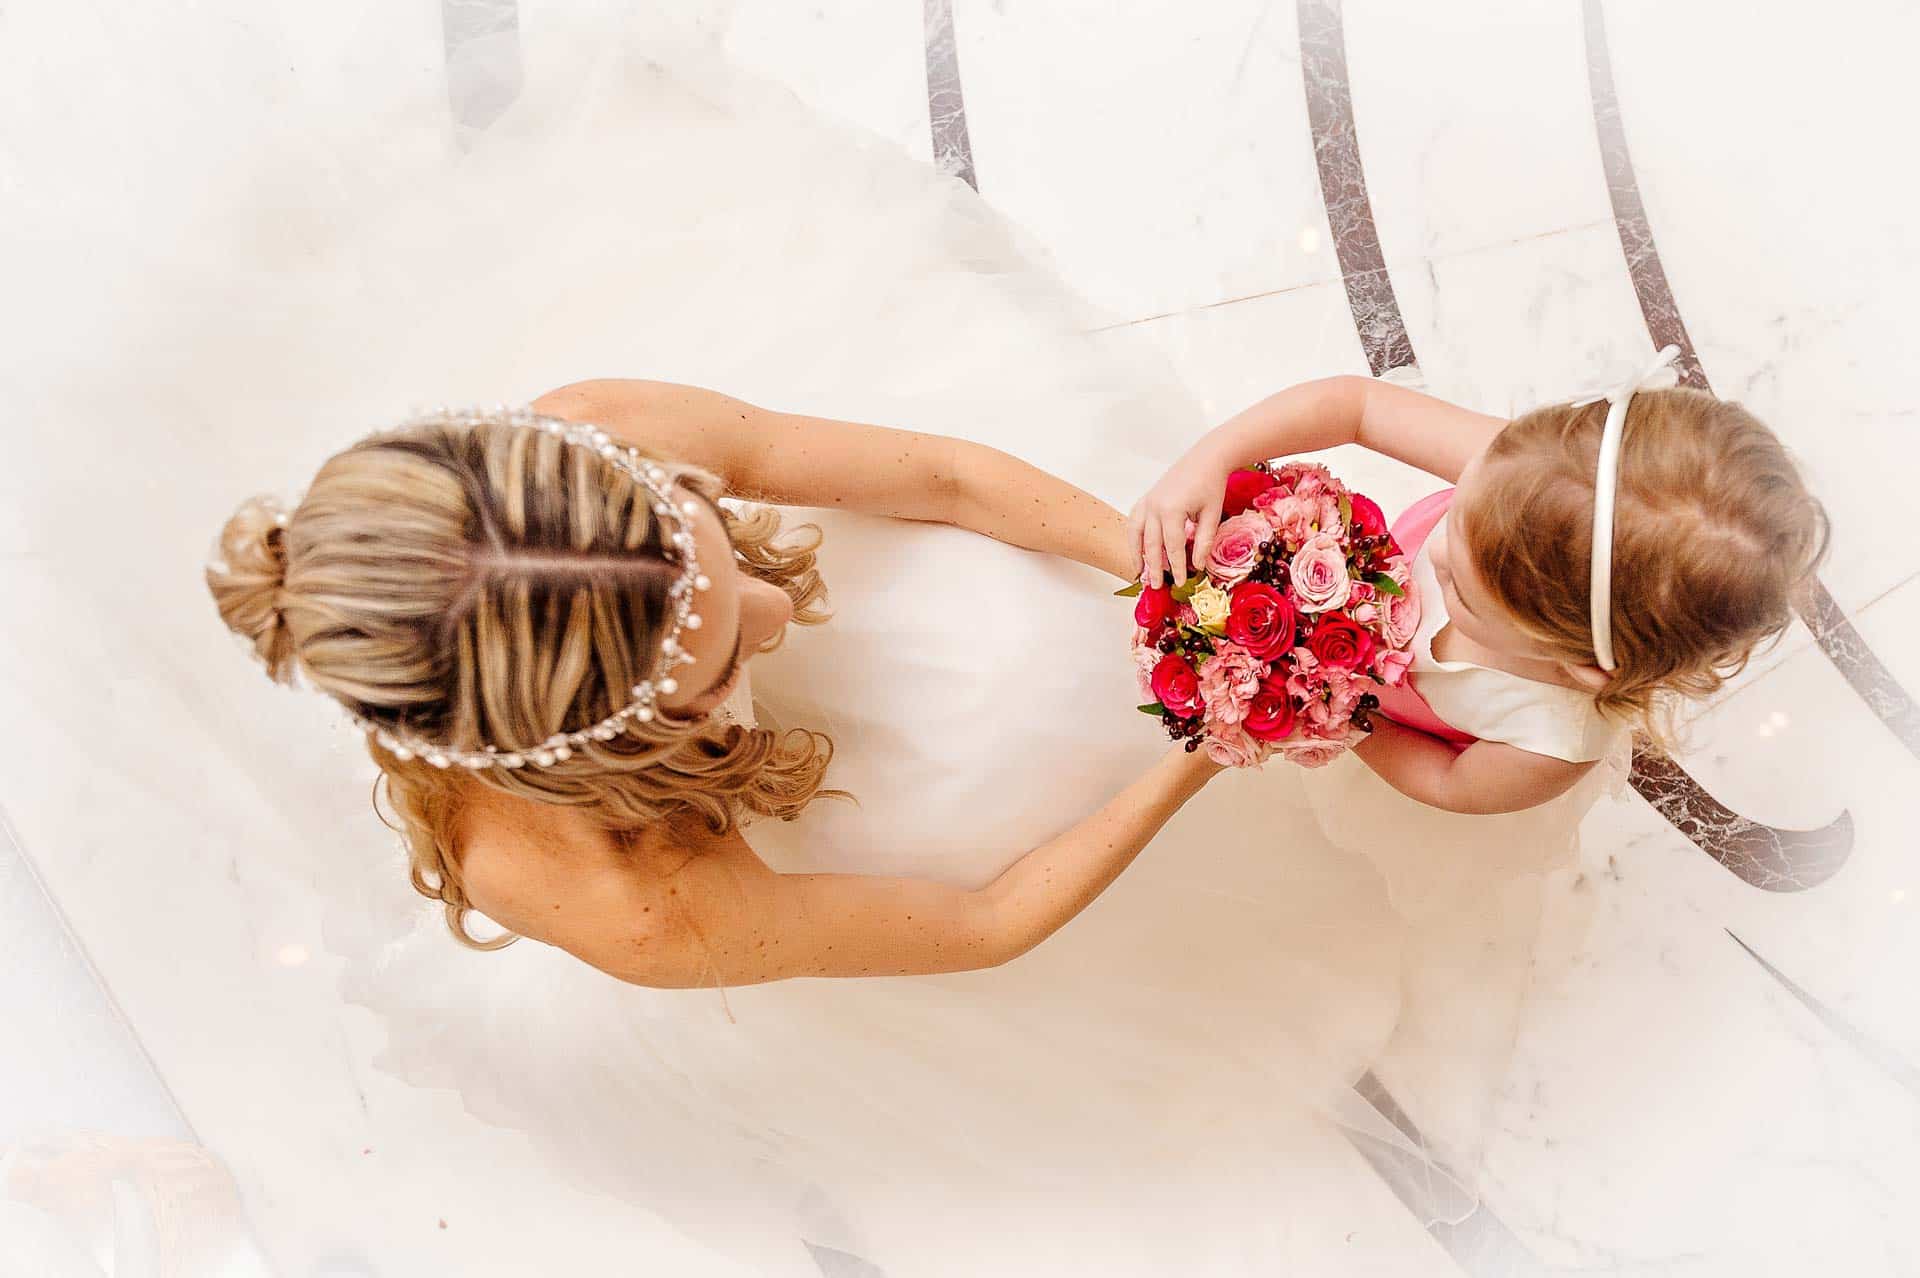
{"x":247,"y":579}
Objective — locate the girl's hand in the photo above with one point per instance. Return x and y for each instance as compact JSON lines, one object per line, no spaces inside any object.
{"x":1438,"y":437}
{"x":1192,"y":488}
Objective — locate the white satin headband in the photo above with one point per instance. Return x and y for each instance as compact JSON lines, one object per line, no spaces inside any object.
{"x":1606,"y":484}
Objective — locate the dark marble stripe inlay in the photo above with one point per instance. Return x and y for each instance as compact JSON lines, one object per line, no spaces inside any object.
{"x":1765,"y":857}
{"x":1836,"y":635}
{"x":946,"y":106}
{"x":1343,"y":188}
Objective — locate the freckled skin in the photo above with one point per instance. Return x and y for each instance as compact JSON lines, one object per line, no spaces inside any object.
{"x":724,"y":916}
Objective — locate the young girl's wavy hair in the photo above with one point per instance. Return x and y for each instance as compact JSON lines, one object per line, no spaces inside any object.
{"x":1716,"y":537}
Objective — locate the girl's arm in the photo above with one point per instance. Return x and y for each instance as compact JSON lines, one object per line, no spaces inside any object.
{"x":1438,"y":437}
{"x":791,"y":460}
{"x":1486,"y":777}
{"x":725,"y":918}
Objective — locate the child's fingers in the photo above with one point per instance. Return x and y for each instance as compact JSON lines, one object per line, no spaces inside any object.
{"x":1203,"y":534}
{"x":1173,"y":527}
{"x":1154,"y":557}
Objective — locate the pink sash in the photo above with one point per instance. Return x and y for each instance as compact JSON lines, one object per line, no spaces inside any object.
{"x":1404,"y":704}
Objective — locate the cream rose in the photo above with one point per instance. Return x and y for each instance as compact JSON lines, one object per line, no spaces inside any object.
{"x":1211,"y":605}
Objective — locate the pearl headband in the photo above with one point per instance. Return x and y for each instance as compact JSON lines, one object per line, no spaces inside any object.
{"x":1606,"y":484}
{"x":652,"y":480}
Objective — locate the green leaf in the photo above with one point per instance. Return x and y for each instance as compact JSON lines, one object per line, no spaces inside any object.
{"x":1155,"y":709}
{"x":1184,"y":591}
{"x":1130,"y":592}
{"x":1346,"y":511}
{"x":1386,"y":585}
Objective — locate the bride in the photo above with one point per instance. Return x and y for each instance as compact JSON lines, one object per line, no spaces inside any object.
{"x":544,"y":633}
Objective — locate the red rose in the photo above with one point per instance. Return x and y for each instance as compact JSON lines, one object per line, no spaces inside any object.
{"x":1154,"y":609}
{"x":1177,"y":686}
{"x":1261,"y":620}
{"x":1341,"y":642}
{"x":1368,"y":521}
{"x":1270,"y":714}
{"x":1242,"y":487}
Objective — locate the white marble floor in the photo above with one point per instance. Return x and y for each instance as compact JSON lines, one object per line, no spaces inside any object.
{"x":1717,"y":1080}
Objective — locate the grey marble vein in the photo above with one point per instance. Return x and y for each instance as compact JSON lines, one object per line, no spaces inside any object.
{"x":946,"y":105}
{"x":1878,"y":1054}
{"x":482,"y":42}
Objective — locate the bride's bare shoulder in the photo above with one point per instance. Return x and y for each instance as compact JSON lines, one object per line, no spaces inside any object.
{"x":624,"y":903}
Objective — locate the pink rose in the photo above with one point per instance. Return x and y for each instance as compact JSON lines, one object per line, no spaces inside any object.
{"x":1366,"y":614}
{"x":1236,"y":548}
{"x":1229,"y":745}
{"x":1175,"y":685}
{"x":1228,"y":682}
{"x":1402,"y":619}
{"x":1318,"y":574}
{"x":1242,"y":487}
{"x":1309,"y":753}
{"x":1391,"y":665}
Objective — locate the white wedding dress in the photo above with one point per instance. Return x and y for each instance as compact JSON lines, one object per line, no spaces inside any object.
{"x":1163,"y":1087}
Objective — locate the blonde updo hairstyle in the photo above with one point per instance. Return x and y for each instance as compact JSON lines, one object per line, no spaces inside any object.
{"x":494,"y":585}
{"x":1715,"y":538}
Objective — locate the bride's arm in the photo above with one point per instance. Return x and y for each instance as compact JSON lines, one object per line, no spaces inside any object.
{"x":727,"y":919}
{"x":793,"y":460}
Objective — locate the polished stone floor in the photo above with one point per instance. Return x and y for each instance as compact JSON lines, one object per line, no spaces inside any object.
{"x":1503,"y":201}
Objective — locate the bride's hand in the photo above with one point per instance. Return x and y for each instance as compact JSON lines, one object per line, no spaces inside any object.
{"x":1192,"y":488}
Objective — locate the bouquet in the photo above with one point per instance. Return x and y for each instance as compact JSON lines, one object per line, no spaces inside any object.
{"x":1276,"y":644}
